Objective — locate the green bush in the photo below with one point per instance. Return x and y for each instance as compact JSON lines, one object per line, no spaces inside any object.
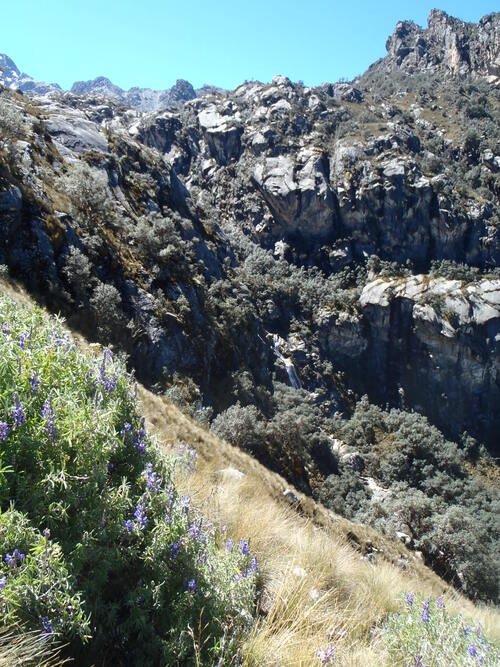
{"x":99,"y":549}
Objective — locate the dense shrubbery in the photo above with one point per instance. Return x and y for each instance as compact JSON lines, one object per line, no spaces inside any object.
{"x":428,"y":636}
{"x":426,"y":493}
{"x":98,"y":548}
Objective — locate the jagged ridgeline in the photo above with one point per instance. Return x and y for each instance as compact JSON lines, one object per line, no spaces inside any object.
{"x":269,"y":255}
{"x":99,"y":550}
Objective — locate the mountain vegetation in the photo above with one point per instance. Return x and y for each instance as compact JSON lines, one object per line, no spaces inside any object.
{"x":310,"y":273}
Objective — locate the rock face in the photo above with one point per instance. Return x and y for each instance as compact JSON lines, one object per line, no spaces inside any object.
{"x":437,"y":343}
{"x":298,"y":194}
{"x":448,"y":45}
{"x":296,"y":188}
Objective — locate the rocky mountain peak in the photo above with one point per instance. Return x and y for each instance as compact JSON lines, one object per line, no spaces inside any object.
{"x":449,"y":45}
{"x":12,"y":77}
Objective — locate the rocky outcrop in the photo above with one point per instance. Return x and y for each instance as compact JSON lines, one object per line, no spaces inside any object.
{"x":447,"y":45}
{"x":433,"y":344}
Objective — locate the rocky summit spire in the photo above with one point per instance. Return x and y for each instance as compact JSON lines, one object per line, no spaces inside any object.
{"x":448,"y":45}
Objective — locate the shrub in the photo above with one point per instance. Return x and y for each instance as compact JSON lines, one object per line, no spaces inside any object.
{"x":96,"y":540}
{"x":426,"y":635}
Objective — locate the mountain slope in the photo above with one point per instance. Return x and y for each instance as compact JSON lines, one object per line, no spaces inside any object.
{"x":269,"y":255}
{"x":321,"y":576}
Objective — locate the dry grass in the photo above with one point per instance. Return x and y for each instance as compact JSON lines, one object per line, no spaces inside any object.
{"x":315,"y":581}
{"x":26,"y":648}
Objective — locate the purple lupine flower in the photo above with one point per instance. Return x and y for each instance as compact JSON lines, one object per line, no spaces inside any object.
{"x":229,"y":545}
{"x":189,"y":456}
{"x":174,"y":548}
{"x":253,"y":569}
{"x":46,"y":625}
{"x":440,"y":602}
{"x":185,"y":503}
{"x":126,"y":429}
{"x":425,"y":615}
{"x":15,"y":558}
{"x":194,"y":531}
{"x":409,"y":599}
{"x":140,"y":439}
{"x":191,"y":586}
{"x":48,"y":415}
{"x":4,"y":430}
{"x":128,"y":526}
{"x":24,"y":340}
{"x":5,"y":328}
{"x":152,"y":479}
{"x":34,"y":382}
{"x":140,"y":515}
{"x":58,"y":340}
{"x":18,"y":414}
{"x":326,"y":655}
{"x":19,"y":557}
{"x":472,"y":651}
{"x":3,"y":582}
{"x":243,"y":547}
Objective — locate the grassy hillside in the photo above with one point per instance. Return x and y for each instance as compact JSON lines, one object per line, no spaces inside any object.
{"x":326,"y":587}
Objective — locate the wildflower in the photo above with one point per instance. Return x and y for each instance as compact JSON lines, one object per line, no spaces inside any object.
{"x":467,"y":630}
{"x":46,"y":533}
{"x":140,"y":440}
{"x":425,"y":615}
{"x":48,"y":415}
{"x":152,"y":480}
{"x":126,"y":428}
{"x":15,"y":558}
{"x":128,"y":525}
{"x":185,"y":502}
{"x":18,"y":555}
{"x":46,"y":625}
{"x":3,"y":582}
{"x":191,"y":586}
{"x":174,"y":550}
{"x":189,"y":455}
{"x":243,"y":547}
{"x":18,"y":414}
{"x":253,"y":566}
{"x":140,"y":515}
{"x":409,"y":599}
{"x":5,"y":328}
{"x":440,"y":602}
{"x":58,"y":340}
{"x":24,"y":340}
{"x":326,"y":655}
{"x":4,"y":430}
{"x":34,"y":382}
{"x":229,"y":545}
{"x":194,"y":531}
{"x":472,"y":651}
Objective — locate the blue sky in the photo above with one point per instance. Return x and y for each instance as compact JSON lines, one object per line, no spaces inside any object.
{"x":154,"y":42}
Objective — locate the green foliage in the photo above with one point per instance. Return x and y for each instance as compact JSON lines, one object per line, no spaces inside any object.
{"x":111,"y":551}
{"x":425,"y":493}
{"x":426,"y":635}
